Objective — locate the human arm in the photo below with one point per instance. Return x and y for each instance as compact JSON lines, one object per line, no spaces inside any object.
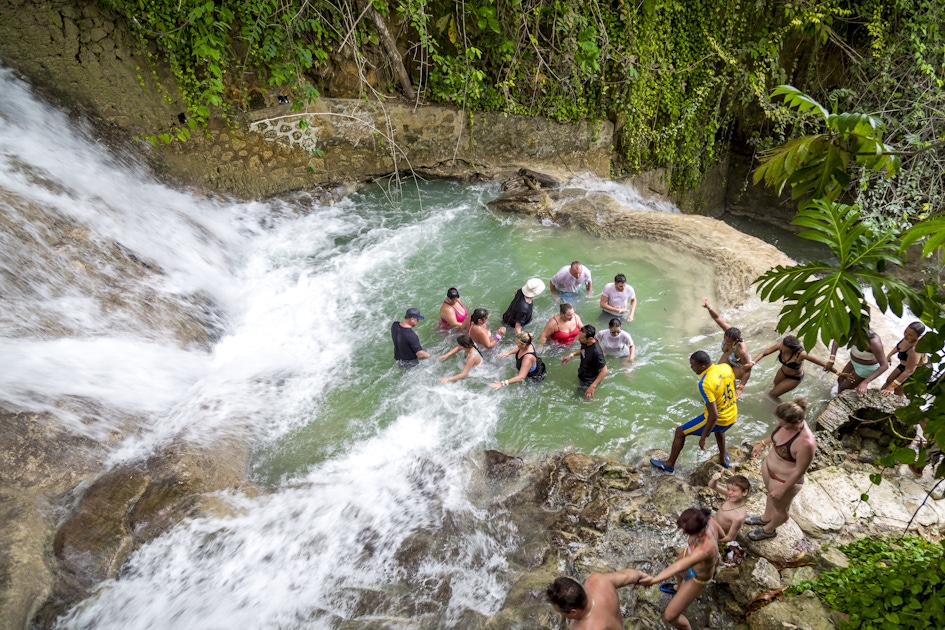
{"x":589,"y":285}
{"x":605,"y":305}
{"x":714,"y":484}
{"x":765,"y":353}
{"x":617,"y":579}
{"x":423,"y":354}
{"x":912,"y":362}
{"x":833,"y":356}
{"x":451,"y":353}
{"x":757,"y":448}
{"x":733,"y":527}
{"x":741,"y":351}
{"x":876,"y":346}
{"x":551,"y":286}
{"x":700,"y":554}
{"x":714,"y":314}
{"x":548,"y":330}
{"x":471,"y":362}
{"x":589,"y":392}
{"x":448,"y":315}
{"x":806,"y":357}
{"x":570,"y":356}
{"x":710,"y":418}
{"x":633,"y":352}
{"x":527,"y":362}
{"x":633,"y":308}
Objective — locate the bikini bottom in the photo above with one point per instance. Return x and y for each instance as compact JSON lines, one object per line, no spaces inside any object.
{"x":793,"y":377}
{"x":799,"y":482}
{"x":689,"y":574}
{"x":864,"y":369}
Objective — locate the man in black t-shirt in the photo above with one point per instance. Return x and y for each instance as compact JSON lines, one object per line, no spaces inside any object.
{"x":593,"y":366}
{"x":407,"y":350}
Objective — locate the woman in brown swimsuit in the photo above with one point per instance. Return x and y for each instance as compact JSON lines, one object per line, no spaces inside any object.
{"x":784,"y":467}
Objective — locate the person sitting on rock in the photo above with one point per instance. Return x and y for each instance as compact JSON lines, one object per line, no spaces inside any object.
{"x":731,"y":515}
{"x":594,"y":606}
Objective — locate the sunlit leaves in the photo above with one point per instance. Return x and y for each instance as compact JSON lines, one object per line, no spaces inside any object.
{"x":827,"y":301}
{"x":817,"y":166}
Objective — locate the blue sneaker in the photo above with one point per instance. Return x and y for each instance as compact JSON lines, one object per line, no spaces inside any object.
{"x":658,"y":463}
{"x":728,"y":461}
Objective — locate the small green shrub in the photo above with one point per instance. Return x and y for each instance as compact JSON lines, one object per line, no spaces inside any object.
{"x":890,"y":584}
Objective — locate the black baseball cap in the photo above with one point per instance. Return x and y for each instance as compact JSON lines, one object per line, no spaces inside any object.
{"x":413,"y":312}
{"x":452,"y":293}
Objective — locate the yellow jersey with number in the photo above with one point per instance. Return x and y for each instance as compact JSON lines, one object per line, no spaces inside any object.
{"x":717,"y":384}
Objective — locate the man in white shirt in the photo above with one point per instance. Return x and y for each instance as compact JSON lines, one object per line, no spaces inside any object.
{"x":569,"y":280}
{"x":617,"y":343}
{"x":618,"y":298}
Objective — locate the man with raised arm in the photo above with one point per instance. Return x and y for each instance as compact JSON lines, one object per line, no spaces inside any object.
{"x":594,"y":606}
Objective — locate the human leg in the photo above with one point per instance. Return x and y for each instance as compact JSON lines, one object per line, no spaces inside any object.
{"x":693,"y":427}
{"x":686,"y":593}
{"x":783,"y":383}
{"x":847,"y":378}
{"x":720,"y":441}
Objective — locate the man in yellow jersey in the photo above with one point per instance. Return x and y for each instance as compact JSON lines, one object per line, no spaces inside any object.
{"x":717,"y":388}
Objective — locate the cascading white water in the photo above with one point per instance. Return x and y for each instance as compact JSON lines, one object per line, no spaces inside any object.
{"x":367,"y":515}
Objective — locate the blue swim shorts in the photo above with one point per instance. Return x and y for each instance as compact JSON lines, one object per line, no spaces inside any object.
{"x":694,"y":426}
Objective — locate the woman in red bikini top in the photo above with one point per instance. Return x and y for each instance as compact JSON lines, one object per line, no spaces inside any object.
{"x":792,"y":452}
{"x":452,"y":312}
{"x":563,"y":328}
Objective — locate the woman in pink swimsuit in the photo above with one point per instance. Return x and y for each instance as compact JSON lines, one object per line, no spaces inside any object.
{"x":563,"y":328}
{"x":452,"y":313}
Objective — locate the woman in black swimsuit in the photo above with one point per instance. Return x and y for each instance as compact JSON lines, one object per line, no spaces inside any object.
{"x":529,"y":366}
{"x":909,"y":359}
{"x":791,"y":356}
{"x":784,"y":467}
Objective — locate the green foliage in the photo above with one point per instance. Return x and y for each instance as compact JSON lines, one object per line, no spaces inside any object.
{"x":888,"y":585}
{"x":816,"y":166}
{"x":827,"y":301}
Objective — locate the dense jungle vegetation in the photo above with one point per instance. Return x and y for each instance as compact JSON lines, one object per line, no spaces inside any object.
{"x":682,"y":79}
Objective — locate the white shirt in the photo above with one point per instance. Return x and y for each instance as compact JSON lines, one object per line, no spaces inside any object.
{"x":566,"y":283}
{"x":619,"y":345}
{"x":618,"y":299}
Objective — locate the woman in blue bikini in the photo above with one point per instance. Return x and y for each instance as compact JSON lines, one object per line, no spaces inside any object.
{"x":791,"y":356}
{"x":909,"y":359}
{"x":695,"y":567}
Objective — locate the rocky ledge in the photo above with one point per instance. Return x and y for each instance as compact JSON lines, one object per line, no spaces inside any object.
{"x":600,"y":515}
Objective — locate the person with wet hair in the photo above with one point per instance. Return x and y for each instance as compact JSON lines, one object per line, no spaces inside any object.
{"x":717,"y":389}
{"x":792,"y":451}
{"x":731,"y":516}
{"x":472,"y":358}
{"x":734,"y":349}
{"x":596,"y":604}
{"x":617,"y":343}
{"x":791,"y":356}
{"x":909,"y":359}
{"x":530,"y":367}
{"x":563,"y":328}
{"x":695,"y":568}
{"x":593,"y":366}
{"x":618,"y":298}
{"x":479,"y":331}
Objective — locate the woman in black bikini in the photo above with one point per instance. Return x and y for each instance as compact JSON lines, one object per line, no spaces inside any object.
{"x":529,"y":366}
{"x":791,"y":356}
{"x":909,"y":359}
{"x":784,"y":467}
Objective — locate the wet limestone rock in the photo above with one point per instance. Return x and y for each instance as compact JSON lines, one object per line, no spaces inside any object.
{"x":815,"y":513}
{"x":25,"y":578}
{"x":709,"y":239}
{"x":749,"y":579}
{"x":846,"y":408}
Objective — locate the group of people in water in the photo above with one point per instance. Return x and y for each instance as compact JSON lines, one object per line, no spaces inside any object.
{"x":617,"y":299}
{"x":720,"y":385}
